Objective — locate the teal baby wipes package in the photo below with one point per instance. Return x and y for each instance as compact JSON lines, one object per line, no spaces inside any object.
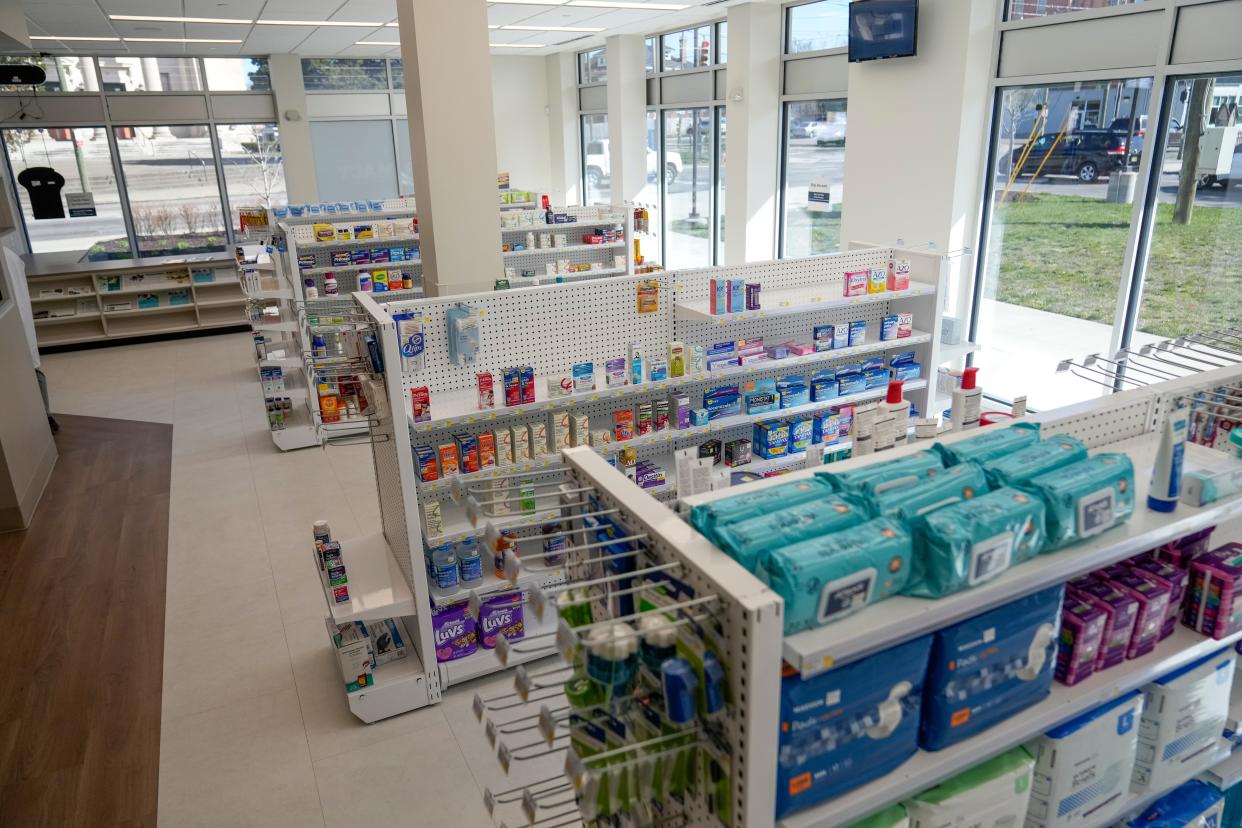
{"x":992,"y":442}
{"x":968,"y":543}
{"x":1085,"y":498}
{"x":1045,"y":456}
{"x":709,"y":517}
{"x":908,"y":497}
{"x":827,"y":578}
{"x":748,"y":542}
{"x":921,"y":464}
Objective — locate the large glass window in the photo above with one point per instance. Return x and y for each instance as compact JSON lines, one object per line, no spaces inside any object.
{"x":596,"y":162}
{"x":687,"y":49}
{"x":83,"y":159}
{"x":149,"y":74}
{"x":174,"y":195}
{"x":721,"y":167}
{"x":237,"y":74}
{"x":397,"y":70}
{"x":1023,"y":9}
{"x":688,"y":185}
{"x":593,"y":66}
{"x":813,"y":173}
{"x":1193,"y":278}
{"x":820,"y":25}
{"x":1057,"y":233}
{"x":64,"y":74}
{"x":354,"y":159}
{"x":405,"y":160}
{"x":722,"y":42}
{"x":319,"y":74}
{"x":254,"y":174}
{"x":650,"y":44}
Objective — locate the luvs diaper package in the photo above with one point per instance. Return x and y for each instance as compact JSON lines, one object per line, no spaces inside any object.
{"x":830,"y":577}
{"x":1034,"y":460}
{"x":908,"y":497}
{"x":1085,"y":498}
{"x":1192,"y":805}
{"x":994,"y":794}
{"x":968,"y":543}
{"x":1083,"y":767}
{"x":747,"y":542}
{"x":989,"y":444}
{"x":708,"y":517}
{"x":990,"y":667}
{"x":844,"y":728}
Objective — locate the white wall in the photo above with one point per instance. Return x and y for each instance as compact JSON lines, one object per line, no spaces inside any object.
{"x":520,"y":104}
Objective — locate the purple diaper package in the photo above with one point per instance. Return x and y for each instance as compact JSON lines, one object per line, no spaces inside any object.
{"x":501,"y":616}
{"x":1153,"y":601}
{"x":1214,"y":593}
{"x":1148,"y":567}
{"x":1122,"y":612}
{"x":1182,"y":551}
{"x":453,"y":631}
{"x":1082,"y":633}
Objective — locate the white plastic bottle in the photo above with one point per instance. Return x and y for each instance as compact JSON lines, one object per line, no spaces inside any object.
{"x":899,"y":407}
{"x":964,"y":412}
{"x":444,"y":578}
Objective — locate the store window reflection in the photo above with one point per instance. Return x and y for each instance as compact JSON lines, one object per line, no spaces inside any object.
{"x":596,"y":160}
{"x":814,"y":175}
{"x":688,"y":183}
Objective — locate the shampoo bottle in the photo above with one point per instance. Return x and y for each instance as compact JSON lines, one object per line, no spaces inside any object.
{"x":965,"y":409}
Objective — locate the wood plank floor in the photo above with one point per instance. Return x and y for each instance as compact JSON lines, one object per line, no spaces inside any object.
{"x":82,"y":593}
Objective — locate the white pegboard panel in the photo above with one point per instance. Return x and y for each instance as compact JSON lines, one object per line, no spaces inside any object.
{"x":692,"y":285}
{"x":391,"y":500}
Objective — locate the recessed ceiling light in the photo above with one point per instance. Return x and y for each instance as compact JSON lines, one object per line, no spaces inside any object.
{"x":151,"y":19}
{"x":377,"y":43}
{"x":99,"y":39}
{"x":618,"y":4}
{"x":516,"y":45}
{"x":551,"y":28}
{"x":353,"y":23}
{"x":178,"y":40}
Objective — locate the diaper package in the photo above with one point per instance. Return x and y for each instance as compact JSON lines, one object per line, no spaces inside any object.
{"x":1121,"y":614}
{"x":867,"y":478}
{"x":1083,"y":767}
{"x":1153,"y":608}
{"x":830,"y":577}
{"x":995,"y":794}
{"x":990,"y":444}
{"x":968,"y":543}
{"x":747,"y":542}
{"x":707,"y":517}
{"x":1176,"y":579}
{"x":1192,"y":805}
{"x":989,"y":667}
{"x":1213,"y":603}
{"x":1034,"y":460}
{"x":908,"y":497}
{"x":894,"y":817}
{"x":1082,"y":635}
{"x":848,"y":726}
{"x":1085,"y":498}
{"x":1183,"y":716}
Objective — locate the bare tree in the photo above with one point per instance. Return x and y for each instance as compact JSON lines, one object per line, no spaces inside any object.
{"x":1015,"y":104}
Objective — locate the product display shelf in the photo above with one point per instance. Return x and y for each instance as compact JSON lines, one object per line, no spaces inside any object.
{"x":66,"y":297}
{"x":60,"y":320}
{"x":323,"y":245}
{"x":457,"y":528}
{"x":952,"y":353}
{"x":925,"y":769}
{"x":399,"y":686}
{"x":569,"y":248}
{"x":485,"y":662}
{"x":353,"y":268}
{"x":147,"y":288}
{"x":377,"y":587}
{"x":566,"y":278}
{"x":493,"y":584}
{"x":795,"y":301}
{"x":902,"y":618}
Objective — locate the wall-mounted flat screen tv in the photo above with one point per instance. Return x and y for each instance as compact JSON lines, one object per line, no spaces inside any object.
{"x":882,"y":29}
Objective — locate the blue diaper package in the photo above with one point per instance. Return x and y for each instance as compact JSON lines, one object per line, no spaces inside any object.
{"x":748,"y":541}
{"x":905,"y":498}
{"x":1195,"y":804}
{"x":1042,"y":457}
{"x":968,"y":543}
{"x":990,"y":667}
{"x":991,"y":443}
{"x":709,"y":518}
{"x":827,"y":578}
{"x":920,"y":464}
{"x":846,"y":727}
{"x":1086,"y":498}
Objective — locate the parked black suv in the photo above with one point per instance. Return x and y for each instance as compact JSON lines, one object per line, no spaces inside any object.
{"x":1086,"y":154}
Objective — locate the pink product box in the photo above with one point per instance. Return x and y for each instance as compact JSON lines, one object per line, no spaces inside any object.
{"x":856,"y":282}
{"x":1082,"y":633}
{"x":1213,"y":603}
{"x":1182,"y":551}
{"x":799,"y":348}
{"x":1122,"y":612}
{"x":1153,"y":601}
{"x":1176,"y":579}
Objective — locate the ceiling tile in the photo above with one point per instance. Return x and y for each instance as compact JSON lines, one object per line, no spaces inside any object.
{"x":235,"y":9}
{"x":162,"y":8}
{"x":299,"y":9}
{"x":275,"y":40}
{"x":381,"y":10}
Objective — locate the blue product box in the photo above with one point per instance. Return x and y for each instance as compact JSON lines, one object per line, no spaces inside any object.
{"x":794,"y":395}
{"x":876,"y":361}
{"x":396,"y":254}
{"x":840,"y":336}
{"x":850,"y":384}
{"x":907,"y":371}
{"x":721,"y":295}
{"x":340,"y":258}
{"x":770,"y":439}
{"x":989,"y":668}
{"x":822,"y":345}
{"x":1192,"y":804}
{"x":826,"y":428}
{"x":360,"y":256}
{"x":722,"y":402}
{"x":901,"y":357}
{"x":761,"y":402}
{"x":583,"y":374}
{"x":412,"y":253}
{"x":875,"y":377}
{"x":800,"y":433}
{"x":823,"y":751}
{"x":314,"y":209}
{"x":380,"y":256}
{"x":737,"y":295}
{"x":698,"y":417}
{"x":823,"y":332}
{"x":888,"y":328}
{"x":722,"y":349}
{"x":823,"y":388}
{"x":858,"y":333}
{"x":306,"y":261}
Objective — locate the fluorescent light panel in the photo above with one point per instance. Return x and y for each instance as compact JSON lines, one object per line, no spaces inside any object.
{"x":516,"y":45}
{"x":354,"y":23}
{"x":551,"y":28}
{"x":177,"y":40}
{"x":99,"y":39}
{"x":377,"y":43}
{"x":142,"y":18}
{"x":529,"y":2}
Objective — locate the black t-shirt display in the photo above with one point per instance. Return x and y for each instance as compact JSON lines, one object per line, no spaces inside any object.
{"x":44,"y":185}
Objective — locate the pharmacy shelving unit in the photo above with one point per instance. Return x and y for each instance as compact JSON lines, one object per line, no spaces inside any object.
{"x":552,"y":253}
{"x":76,"y":302}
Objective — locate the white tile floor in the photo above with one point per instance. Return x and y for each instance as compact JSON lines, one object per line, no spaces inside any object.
{"x":255,"y":729}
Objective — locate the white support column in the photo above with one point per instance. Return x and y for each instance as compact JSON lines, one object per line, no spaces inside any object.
{"x":923,"y":190}
{"x":753,"y":113}
{"x":565,"y":186}
{"x":448,"y":63}
{"x":627,"y":116}
{"x":295,"y":138}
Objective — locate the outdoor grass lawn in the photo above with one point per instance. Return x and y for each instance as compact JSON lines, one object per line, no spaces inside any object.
{"x":1063,"y":254}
